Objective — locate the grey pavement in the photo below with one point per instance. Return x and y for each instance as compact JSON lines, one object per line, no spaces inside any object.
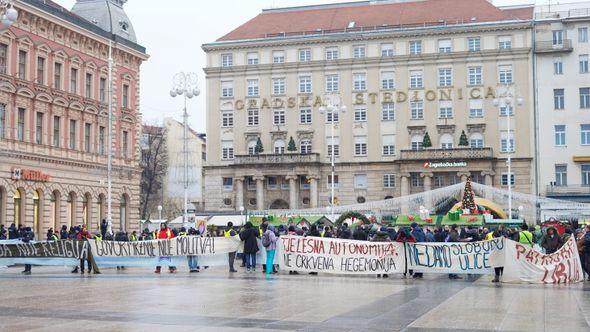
{"x":53,"y":299}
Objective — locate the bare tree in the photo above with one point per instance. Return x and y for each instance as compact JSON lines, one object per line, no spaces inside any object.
{"x":153,"y":168}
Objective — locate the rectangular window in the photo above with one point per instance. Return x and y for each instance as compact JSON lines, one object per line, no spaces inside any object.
{"x":305,"y":146}
{"x":333,"y":146}
{"x":445,"y":110}
{"x":505,"y":179}
{"x":561,"y":175}
{"x":72,"y":139}
{"x":507,"y":142}
{"x":416,"y":180}
{"x":388,"y":80}
{"x":335,"y":181}
{"x":557,"y":66}
{"x":332,"y":53}
{"x":103,"y":90}
{"x":87,"y":135}
{"x":475,"y":108}
{"x":359,"y":52}
{"x":388,"y":142}
{"x":305,"y":116}
{"x":585,"y":134}
{"x":125,"y":144}
{"x":476,"y":141}
{"x":388,"y":112}
{"x":40,"y":70}
{"x":360,"y":146}
{"x":359,"y":82}
{"x":583,"y":35}
{"x":505,"y":74}
{"x":416,"y":79}
{"x":559,"y":135}
{"x":360,"y":114}
{"x":387,"y":50}
{"x":253,"y":88}
{"x":417,"y":143}
{"x":88,"y":86}
{"x":228,"y":184}
{"x":584,"y":97}
{"x":20,"y":131}
{"x":445,"y":46}
{"x":506,"y":110}
{"x":227,"y":60}
{"x":415,"y":47}
{"x":584,"y":64}
{"x":360,"y":181}
{"x":475,"y":75}
{"x":278,"y":57}
{"x":559,"y":99}
{"x":3,"y":58}
{"x":278,"y":117}
{"x":278,"y":86}
{"x":332,"y":83}
{"x":557,"y":38}
{"x":39,"y":128}
{"x":417,"y":110}
{"x":57,"y":67}
{"x":253,"y":117}
{"x":125,"y":101}
{"x":305,"y":55}
{"x":101,"y":140}
{"x":586,"y":175}
{"x":305,"y":84}
{"x":388,"y":180}
{"x":252,"y":58}
{"x":474,"y":44}
{"x":73,"y":80}
{"x":2,"y":120}
{"x":445,"y":77}
{"x":227,"y":119}
{"x":227,"y":89}
{"x":56,"y":131}
{"x":332,"y":116}
{"x":504,"y":42}
{"x":22,"y":64}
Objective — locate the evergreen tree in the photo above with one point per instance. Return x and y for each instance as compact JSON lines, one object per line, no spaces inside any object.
{"x":258,"y":149}
{"x":291,"y":147}
{"x":426,"y":142}
{"x":463,"y":139}
{"x":468,"y":202}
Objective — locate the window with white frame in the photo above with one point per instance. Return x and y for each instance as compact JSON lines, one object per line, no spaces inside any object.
{"x":416,"y":180}
{"x":584,"y":97}
{"x":476,"y":141}
{"x":359,"y":51}
{"x":475,"y":75}
{"x":360,"y":113}
{"x":387,"y":80}
{"x":359,"y":81}
{"x":417,"y":110}
{"x":557,"y":38}
{"x":561,"y":175}
{"x":360,"y":146}
{"x":415,"y":47}
{"x":445,"y":77}
{"x":253,"y":117}
{"x":332,"y":83}
{"x":88,"y":86}
{"x":227,"y":119}
{"x":446,"y":141}
{"x":278,"y":117}
{"x":278,"y":86}
{"x":505,"y":179}
{"x":388,"y":180}
{"x":506,"y":110}
{"x":416,"y":79}
{"x":278,"y":57}
{"x":445,"y":109}
{"x":474,"y":44}
{"x":557,"y":66}
{"x":305,"y":84}
{"x":388,"y":143}
{"x":583,"y":35}
{"x":387,"y":50}
{"x":333,"y":145}
{"x":305,"y":55}
{"x":227,"y":150}
{"x":279,"y":146}
{"x":584,"y":64}
{"x":360,"y":181}
{"x":416,"y":142}
{"x":305,"y":115}
{"x":305,"y":146}
{"x":585,"y":134}
{"x":559,"y":134}
{"x":476,"y":108}
{"x":332,"y":116}
{"x":41,"y":71}
{"x":507,"y":141}
{"x":251,"y":147}
{"x":252,"y":58}
{"x":504,"y":42}
{"x":336,"y":182}
{"x":227,"y":89}
{"x":585,"y":174}
{"x":559,"y":99}
{"x":332,"y":53}
{"x":505,"y":74}
{"x":74,"y":80}
{"x":227,"y":60}
{"x":22,"y":64}
{"x":388,"y":112}
{"x":445,"y":46}
{"x":253,"y":87}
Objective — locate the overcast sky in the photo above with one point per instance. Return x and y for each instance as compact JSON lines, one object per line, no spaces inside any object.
{"x":173,"y":32}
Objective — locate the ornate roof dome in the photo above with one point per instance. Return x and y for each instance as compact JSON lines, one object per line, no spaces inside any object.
{"x":108,"y":15}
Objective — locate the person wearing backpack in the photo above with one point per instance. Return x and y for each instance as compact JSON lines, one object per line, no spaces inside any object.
{"x":269,"y":242}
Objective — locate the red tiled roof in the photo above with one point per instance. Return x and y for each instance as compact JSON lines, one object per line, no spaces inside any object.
{"x":370,"y":15}
{"x":521,"y":13}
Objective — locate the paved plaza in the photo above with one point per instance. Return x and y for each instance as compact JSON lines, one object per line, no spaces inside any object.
{"x":53,"y":299}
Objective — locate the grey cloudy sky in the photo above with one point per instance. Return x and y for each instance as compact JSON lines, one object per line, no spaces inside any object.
{"x":173,"y":32}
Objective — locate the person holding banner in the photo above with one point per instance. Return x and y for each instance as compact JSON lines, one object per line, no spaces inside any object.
{"x":552,"y":241}
{"x":229,"y":232}
{"x":269,"y":241}
{"x":164,"y":233}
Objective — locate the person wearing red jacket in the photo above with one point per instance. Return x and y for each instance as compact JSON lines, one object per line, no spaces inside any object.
{"x":162,"y":234}
{"x":83,"y":235}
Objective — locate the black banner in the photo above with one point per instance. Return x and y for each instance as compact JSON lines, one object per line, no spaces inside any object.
{"x":49,"y":249}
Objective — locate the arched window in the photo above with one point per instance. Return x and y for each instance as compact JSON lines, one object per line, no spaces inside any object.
{"x":55,"y":215}
{"x":2,"y":205}
{"x":123,"y":213}
{"x":279,"y":146}
{"x":37,"y":212}
{"x":19,"y":206}
{"x":417,"y":142}
{"x":100,"y":208}
{"x":476,"y":141}
{"x":305,"y":146}
{"x":87,"y":210}
{"x":71,"y":209}
{"x":252,"y":147}
{"x":446,"y":141}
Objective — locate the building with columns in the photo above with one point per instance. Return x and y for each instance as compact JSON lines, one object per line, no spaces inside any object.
{"x":417,"y":78}
{"x":54,"y":116}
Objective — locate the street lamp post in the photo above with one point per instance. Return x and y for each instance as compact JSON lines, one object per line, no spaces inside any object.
{"x":160,"y":213}
{"x":505,"y":97}
{"x":334,"y":108}
{"x":8,"y":14}
{"x":185,"y":84}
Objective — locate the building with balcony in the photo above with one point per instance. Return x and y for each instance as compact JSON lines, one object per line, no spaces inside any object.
{"x":400,"y":76}
{"x":54,"y":116}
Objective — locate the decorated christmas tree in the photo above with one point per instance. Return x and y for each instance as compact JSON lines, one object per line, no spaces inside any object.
{"x":468,"y":202}
{"x":426,"y":142}
{"x":291,"y":147}
{"x":258,"y":148}
{"x":463,"y":139}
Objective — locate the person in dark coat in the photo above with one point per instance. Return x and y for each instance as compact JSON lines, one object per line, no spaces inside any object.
{"x":249,"y":236}
{"x":27,"y":236}
{"x":3,"y":233}
{"x":419,"y":235}
{"x":63,"y":233}
{"x":552,"y":241}
{"x":381,"y":236}
{"x":344,"y":232}
{"x":103,"y":228}
{"x":360,"y":233}
{"x":13,"y":232}
{"x":313,"y":231}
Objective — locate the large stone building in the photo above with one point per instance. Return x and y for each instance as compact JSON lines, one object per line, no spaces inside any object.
{"x":562,"y":49}
{"x":54,"y":116}
{"x":403,"y":69}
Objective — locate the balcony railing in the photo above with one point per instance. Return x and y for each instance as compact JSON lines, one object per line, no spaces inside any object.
{"x":550,"y":47}
{"x":568,"y":190}
{"x":286,"y":158}
{"x":447,"y":154}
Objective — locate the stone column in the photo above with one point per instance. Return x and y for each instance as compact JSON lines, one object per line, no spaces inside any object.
{"x":259,"y":192}
{"x":293,"y":192}
{"x":488,"y":181}
{"x":239,"y":192}
{"x":464,"y":175}
{"x":405,"y":190}
{"x":427,"y":176}
{"x":313,"y":190}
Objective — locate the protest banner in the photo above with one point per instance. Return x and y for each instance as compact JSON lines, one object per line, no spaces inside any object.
{"x":312,"y":254}
{"x":178,"y":246}
{"x":469,"y":257}
{"x":523,"y":263}
{"x":45,"y":249}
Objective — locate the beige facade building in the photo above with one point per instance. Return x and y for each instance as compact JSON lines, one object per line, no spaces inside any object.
{"x":403,"y":69}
